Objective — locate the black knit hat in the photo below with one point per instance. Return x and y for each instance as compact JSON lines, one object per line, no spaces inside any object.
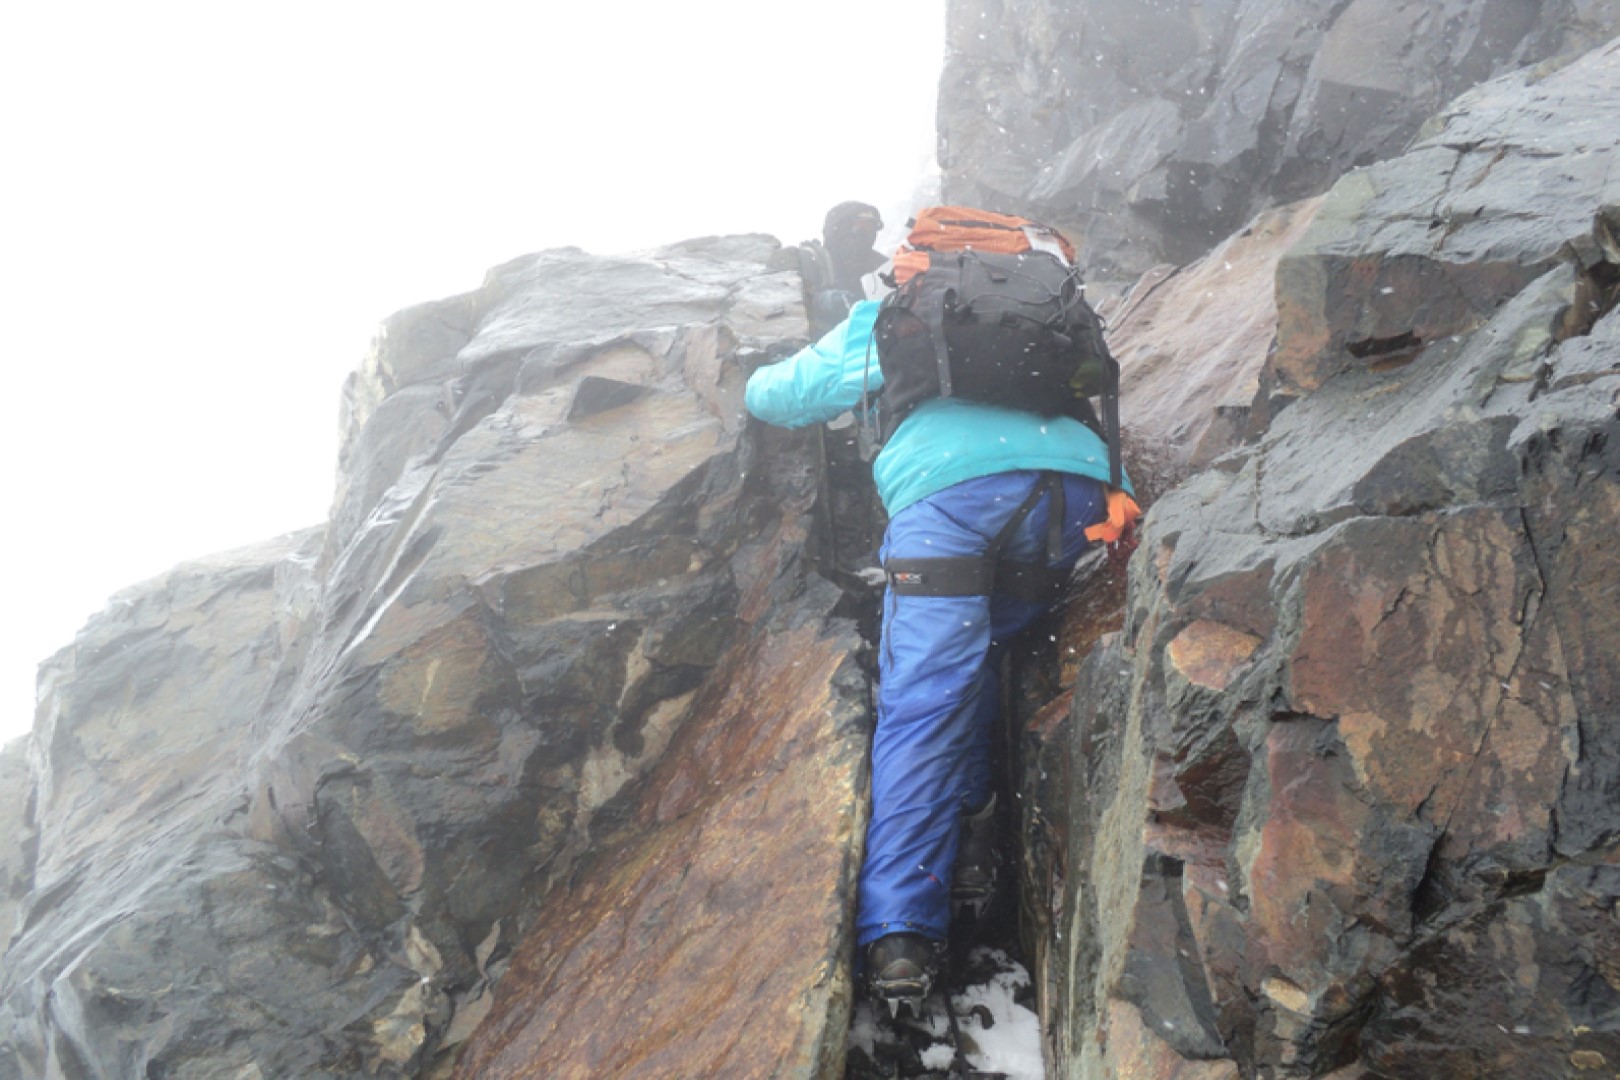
{"x":846,"y":216}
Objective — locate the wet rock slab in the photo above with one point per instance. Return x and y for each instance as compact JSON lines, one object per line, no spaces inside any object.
{"x":1343,"y":792}
{"x":715,"y":934}
{"x":1192,"y":341}
{"x":1153,"y":131}
{"x":295,"y":808}
{"x":1411,"y":251}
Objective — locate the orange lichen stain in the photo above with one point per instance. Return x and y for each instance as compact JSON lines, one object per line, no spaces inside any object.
{"x":1410,"y":641}
{"x":1287,"y":995}
{"x":1307,"y":845}
{"x":1162,"y":560}
{"x":1195,"y":845}
{"x":1209,"y":653}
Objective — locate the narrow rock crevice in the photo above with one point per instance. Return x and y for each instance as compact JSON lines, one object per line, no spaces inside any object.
{"x":1597,"y":290}
{"x":1384,"y":346}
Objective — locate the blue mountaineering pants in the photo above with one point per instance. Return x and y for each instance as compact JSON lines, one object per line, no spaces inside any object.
{"x":938,"y":698}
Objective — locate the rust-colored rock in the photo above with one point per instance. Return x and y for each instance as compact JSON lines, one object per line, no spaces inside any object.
{"x":295,"y":806}
{"x":712,"y":940}
{"x":1209,"y":653}
{"x":1135,"y":1052}
{"x":1345,"y":790}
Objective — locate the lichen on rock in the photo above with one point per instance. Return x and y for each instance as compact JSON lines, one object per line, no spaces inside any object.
{"x":1344,"y":792}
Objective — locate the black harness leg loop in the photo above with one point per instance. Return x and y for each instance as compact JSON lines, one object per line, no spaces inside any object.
{"x":989,"y":574}
{"x":965,"y":575}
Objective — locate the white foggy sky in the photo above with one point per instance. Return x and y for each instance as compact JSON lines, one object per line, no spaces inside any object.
{"x":205,"y":208}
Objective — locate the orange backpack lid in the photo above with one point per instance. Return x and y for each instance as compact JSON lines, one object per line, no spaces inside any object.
{"x":963,"y":228}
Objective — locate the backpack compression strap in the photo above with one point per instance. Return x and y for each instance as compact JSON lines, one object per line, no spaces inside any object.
{"x":989,"y":574}
{"x":945,"y":274}
{"x":1110,"y":404}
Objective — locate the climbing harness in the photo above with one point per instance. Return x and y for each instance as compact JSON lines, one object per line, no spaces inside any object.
{"x":989,"y":574}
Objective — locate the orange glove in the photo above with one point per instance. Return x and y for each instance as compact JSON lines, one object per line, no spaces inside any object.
{"x":1118,"y":528}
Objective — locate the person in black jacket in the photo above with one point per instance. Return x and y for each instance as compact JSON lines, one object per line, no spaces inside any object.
{"x":834,"y":268}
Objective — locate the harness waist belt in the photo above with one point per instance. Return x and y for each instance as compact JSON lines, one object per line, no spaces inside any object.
{"x":976,"y":576}
{"x":989,"y":574}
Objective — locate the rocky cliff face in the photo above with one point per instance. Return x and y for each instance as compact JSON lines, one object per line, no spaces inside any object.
{"x":293,"y":811}
{"x":1154,"y":130}
{"x":1344,"y":795}
{"x":528,"y":762}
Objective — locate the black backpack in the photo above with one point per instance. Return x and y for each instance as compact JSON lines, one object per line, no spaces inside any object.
{"x":826,"y":302}
{"x":1004,"y":327}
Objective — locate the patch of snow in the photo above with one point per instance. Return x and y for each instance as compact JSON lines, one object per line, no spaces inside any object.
{"x":1009,"y":1046}
{"x":864,"y":1030}
{"x":1012,"y":1043}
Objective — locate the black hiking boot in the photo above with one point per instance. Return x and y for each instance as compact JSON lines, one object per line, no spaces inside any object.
{"x":900,"y":970}
{"x":973,"y":882}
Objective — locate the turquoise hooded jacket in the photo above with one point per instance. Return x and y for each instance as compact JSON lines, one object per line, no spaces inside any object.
{"x":943,"y":442}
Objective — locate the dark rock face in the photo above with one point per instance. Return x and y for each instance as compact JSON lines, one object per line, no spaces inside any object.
{"x":1345,"y":791}
{"x":1414,"y":250}
{"x":1192,"y":341}
{"x":545,"y":756}
{"x":292,"y":810}
{"x":1155,"y":130}
{"x":721,"y":923}
{"x":146,"y":726}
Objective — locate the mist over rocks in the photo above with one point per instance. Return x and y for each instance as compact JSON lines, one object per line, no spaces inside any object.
{"x":1153,"y":130}
{"x":17,"y":846}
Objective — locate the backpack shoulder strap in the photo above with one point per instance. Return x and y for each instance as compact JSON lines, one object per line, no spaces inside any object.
{"x":815,"y":266}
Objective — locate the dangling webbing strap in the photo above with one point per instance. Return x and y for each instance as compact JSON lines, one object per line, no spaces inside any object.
{"x":989,"y":574}
{"x":1110,"y":403}
{"x":935,"y":318}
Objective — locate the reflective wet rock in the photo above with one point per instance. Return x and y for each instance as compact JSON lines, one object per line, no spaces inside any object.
{"x":294,"y":811}
{"x":1342,"y":793}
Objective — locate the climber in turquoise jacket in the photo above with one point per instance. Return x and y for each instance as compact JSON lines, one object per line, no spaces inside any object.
{"x":944,"y":442}
{"x":952,"y":475}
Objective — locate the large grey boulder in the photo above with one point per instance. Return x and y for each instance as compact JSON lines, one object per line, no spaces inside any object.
{"x":1345,"y":792}
{"x":146,"y":727}
{"x":1153,"y":131}
{"x":1192,"y":342}
{"x":18,"y":848}
{"x":297,"y":806}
